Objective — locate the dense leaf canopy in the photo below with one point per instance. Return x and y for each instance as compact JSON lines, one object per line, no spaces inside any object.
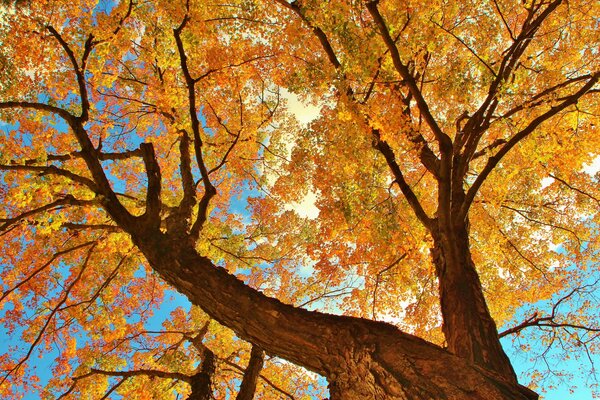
{"x":322,"y":152}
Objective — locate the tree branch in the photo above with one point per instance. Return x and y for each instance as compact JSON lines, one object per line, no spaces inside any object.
{"x":264,"y":378}
{"x":443,"y":139}
{"x":44,"y":266}
{"x":79,"y":69}
{"x":53,"y":170}
{"x":318,"y":32}
{"x":494,"y":160}
{"x":567,"y":184}
{"x":209,"y":190}
{"x":64,"y":114}
{"x":67,"y":200}
{"x":479,"y":121}
{"x":138,"y":372}
{"x":153,"y":203}
{"x":406,"y":190}
{"x":550,"y":320}
{"x":56,"y":309}
{"x":102,"y":156}
{"x":248,"y":385}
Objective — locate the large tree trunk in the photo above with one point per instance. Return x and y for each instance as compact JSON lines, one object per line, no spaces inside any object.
{"x":469,"y":329}
{"x":361,"y":359}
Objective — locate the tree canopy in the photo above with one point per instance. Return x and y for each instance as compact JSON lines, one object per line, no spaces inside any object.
{"x":448,"y":166}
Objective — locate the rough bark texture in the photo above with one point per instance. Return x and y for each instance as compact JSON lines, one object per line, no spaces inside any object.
{"x":361,"y":359}
{"x":248,"y":386}
{"x":470,"y":331}
{"x":201,"y":382}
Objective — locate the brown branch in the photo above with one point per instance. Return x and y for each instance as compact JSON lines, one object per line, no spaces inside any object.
{"x":255,"y":365}
{"x":575,"y":189}
{"x":461,"y":41}
{"x":443,"y":139}
{"x":549,"y":320}
{"x":235,"y":140}
{"x":79,"y":69}
{"x":102,"y":156}
{"x":523,"y":256}
{"x":53,"y":170}
{"x":196,"y":341}
{"x":44,"y":266}
{"x":184,"y":210}
{"x":264,"y":378}
{"x":488,"y":148}
{"x":497,"y":7}
{"x":523,"y":214}
{"x":544,"y":322}
{"x":378,"y":277}
{"x":209,"y":190}
{"x":64,"y":114}
{"x":122,"y":20}
{"x":82,"y":227}
{"x":239,"y":64}
{"x":153,"y":203}
{"x":406,"y":190}
{"x":479,"y":121}
{"x":67,"y":200}
{"x":88,"y":151}
{"x":201,"y":382}
{"x":537,"y":99}
{"x":112,"y":275}
{"x":494,"y":160}
{"x":318,"y":32}
{"x":100,"y":183}
{"x":134,"y":373}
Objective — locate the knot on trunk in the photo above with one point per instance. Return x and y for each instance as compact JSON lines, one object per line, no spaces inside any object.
{"x":360,"y":376}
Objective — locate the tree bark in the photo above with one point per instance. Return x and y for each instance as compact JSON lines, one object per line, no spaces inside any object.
{"x":470,"y":331}
{"x":201,"y":382}
{"x":361,"y":359}
{"x":248,"y":386}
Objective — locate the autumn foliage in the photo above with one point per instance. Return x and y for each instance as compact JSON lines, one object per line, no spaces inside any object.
{"x":440,"y":195}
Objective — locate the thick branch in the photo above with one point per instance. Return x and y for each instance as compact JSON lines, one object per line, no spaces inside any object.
{"x":248,"y":386}
{"x":64,"y":114}
{"x":88,"y":151}
{"x":318,"y":32}
{"x":201,"y":382}
{"x":488,"y":148}
{"x":318,"y":341}
{"x":184,"y":211}
{"x":209,"y":189}
{"x":102,"y":156}
{"x":153,"y":203}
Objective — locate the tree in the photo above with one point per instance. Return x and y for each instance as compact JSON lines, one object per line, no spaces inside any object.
{"x":134,"y":127}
